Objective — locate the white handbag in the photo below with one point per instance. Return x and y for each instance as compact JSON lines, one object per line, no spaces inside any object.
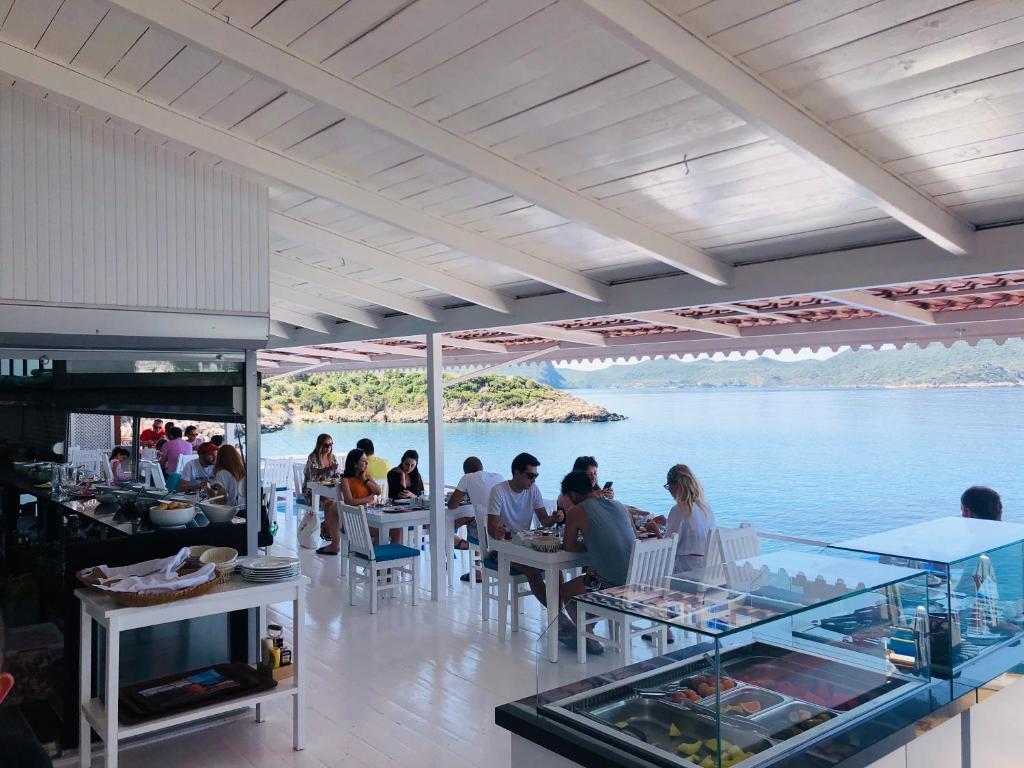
{"x":309,"y":530}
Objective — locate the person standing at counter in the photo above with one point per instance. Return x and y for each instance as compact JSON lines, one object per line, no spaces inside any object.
{"x":228,"y":474}
{"x":150,"y":435}
{"x":691,"y":518}
{"x":404,"y":481}
{"x":175,"y":447}
{"x":199,"y":471}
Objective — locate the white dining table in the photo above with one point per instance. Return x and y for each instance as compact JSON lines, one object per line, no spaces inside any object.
{"x":552,"y":563}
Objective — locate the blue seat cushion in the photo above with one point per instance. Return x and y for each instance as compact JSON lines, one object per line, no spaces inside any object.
{"x":385,"y":552}
{"x":492,"y":565}
{"x":473,"y":540}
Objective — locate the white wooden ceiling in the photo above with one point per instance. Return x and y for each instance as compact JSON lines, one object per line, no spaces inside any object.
{"x":932,"y":91}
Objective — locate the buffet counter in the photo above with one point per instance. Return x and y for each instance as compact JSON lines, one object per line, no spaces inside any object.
{"x":45,"y":542}
{"x":805,"y":660}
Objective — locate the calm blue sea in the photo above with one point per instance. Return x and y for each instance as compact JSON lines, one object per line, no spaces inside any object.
{"x":819,"y":463}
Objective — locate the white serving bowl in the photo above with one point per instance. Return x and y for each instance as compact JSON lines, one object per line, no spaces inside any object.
{"x":171,"y":518}
{"x":218,"y":513}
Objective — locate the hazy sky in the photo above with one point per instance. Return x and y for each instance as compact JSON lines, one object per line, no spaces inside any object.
{"x":787,"y":356}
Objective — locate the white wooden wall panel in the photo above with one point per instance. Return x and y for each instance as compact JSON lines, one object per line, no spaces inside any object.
{"x":92,"y":215}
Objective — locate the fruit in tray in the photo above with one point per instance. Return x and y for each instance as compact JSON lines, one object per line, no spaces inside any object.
{"x":172,"y":505}
{"x":743,"y":707}
{"x":689,"y":748}
{"x":686,"y":694}
{"x":673,"y":731}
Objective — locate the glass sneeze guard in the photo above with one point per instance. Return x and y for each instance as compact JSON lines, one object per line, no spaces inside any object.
{"x":975,"y":592}
{"x":790,"y":648}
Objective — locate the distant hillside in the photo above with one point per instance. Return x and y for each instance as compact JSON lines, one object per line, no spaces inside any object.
{"x":987,"y":364}
{"x":401,"y":396}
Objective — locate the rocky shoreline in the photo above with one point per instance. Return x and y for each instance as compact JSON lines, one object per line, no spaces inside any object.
{"x":565,"y":409}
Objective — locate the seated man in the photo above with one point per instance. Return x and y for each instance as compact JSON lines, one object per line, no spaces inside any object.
{"x":175,"y":447}
{"x":608,"y":534}
{"x":199,"y":471}
{"x":192,"y":436}
{"x":149,"y":436}
{"x":981,"y":503}
{"x":378,"y":466}
{"x":475,"y":485}
{"x":512,"y":507}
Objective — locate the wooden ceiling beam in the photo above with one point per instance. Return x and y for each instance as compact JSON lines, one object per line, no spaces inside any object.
{"x":696,"y":60}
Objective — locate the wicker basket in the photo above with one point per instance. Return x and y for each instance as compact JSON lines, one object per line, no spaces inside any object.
{"x":146,"y":599}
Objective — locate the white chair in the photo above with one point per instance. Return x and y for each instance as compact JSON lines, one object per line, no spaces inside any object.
{"x":278,"y":472}
{"x":650,"y":561}
{"x":298,"y":492}
{"x":184,"y":459}
{"x":153,"y":475}
{"x":727,"y":545}
{"x":148,"y":454}
{"x":106,"y":470}
{"x":491,"y":582}
{"x":375,"y":560}
{"x":89,"y":459}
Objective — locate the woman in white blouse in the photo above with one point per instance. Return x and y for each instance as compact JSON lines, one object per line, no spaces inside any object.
{"x":228,"y":476}
{"x":691,"y":518}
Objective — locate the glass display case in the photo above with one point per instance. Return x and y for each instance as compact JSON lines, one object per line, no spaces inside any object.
{"x":759,"y":668}
{"x":975,"y":592}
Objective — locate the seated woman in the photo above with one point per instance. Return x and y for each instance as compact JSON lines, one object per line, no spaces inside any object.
{"x":404,"y":481}
{"x":120,"y":464}
{"x":691,"y":517}
{"x":321,"y":466}
{"x":357,"y":488}
{"x":228,"y":476}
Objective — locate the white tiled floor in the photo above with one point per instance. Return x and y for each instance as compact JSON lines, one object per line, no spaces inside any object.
{"x":409,"y":686}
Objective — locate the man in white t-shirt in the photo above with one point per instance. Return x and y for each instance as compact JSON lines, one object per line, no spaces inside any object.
{"x":512,"y":507}
{"x":475,"y":485}
{"x":200,"y":469}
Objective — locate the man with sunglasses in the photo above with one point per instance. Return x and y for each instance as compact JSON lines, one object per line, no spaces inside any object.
{"x":512,"y":508}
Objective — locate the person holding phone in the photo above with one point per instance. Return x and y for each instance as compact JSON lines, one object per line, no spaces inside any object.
{"x":587,"y":465}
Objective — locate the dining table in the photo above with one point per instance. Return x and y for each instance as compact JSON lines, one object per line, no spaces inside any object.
{"x":552,"y":563}
{"x":382,"y":517}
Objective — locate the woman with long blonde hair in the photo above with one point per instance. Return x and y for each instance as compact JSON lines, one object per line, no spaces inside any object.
{"x":691,"y":517}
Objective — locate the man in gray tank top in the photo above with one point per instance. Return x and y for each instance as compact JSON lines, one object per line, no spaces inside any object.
{"x":607,"y":534}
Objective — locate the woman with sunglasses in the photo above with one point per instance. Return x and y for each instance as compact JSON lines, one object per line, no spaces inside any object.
{"x":321,"y":466}
{"x":691,"y":517}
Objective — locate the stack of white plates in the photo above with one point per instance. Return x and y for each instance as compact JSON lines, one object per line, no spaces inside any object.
{"x":268,"y":569}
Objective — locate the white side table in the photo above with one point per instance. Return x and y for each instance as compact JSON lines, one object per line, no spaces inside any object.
{"x":102,"y":716}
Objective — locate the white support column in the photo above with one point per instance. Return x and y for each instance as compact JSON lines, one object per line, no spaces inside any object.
{"x":252,"y":451}
{"x":251,"y":400}
{"x":435,"y":438}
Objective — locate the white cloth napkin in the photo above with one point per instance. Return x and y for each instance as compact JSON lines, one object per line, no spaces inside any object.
{"x":159,"y":575}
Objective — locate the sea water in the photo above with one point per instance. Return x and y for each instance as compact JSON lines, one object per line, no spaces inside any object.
{"x":827,"y":464}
